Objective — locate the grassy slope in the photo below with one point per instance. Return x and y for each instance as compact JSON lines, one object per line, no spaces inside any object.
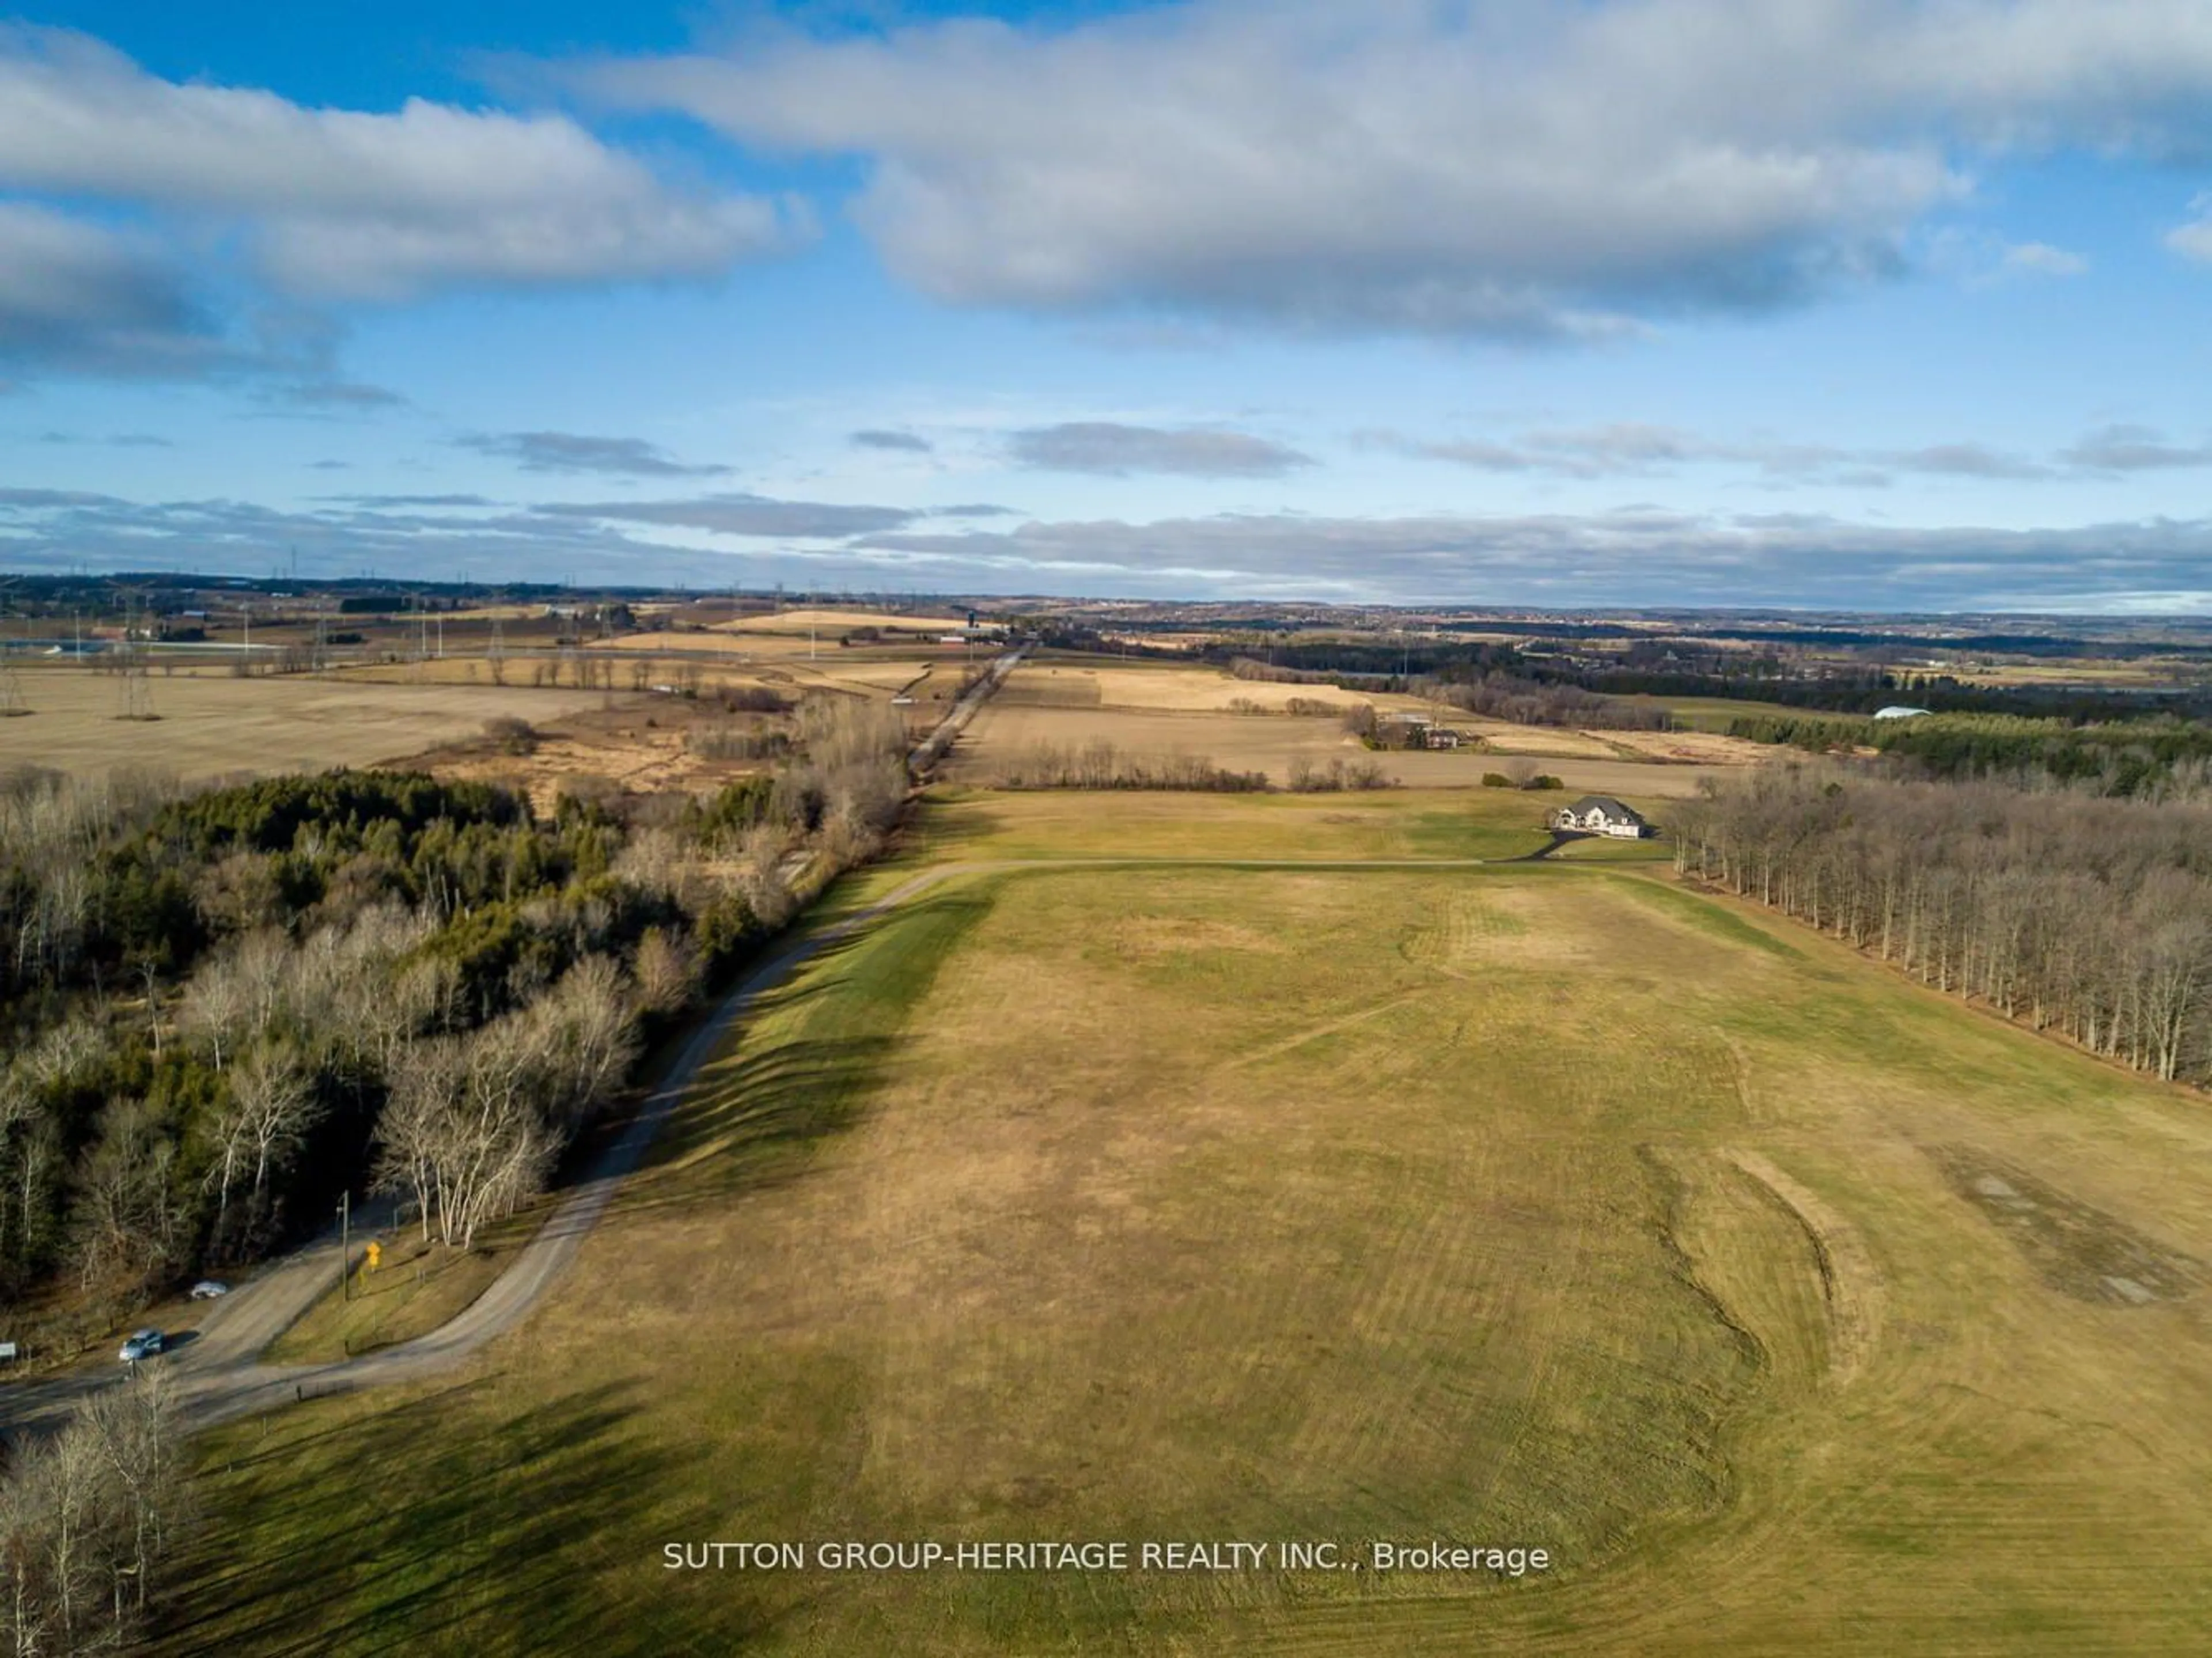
{"x":1161,"y":1204}
{"x":1383,"y":823}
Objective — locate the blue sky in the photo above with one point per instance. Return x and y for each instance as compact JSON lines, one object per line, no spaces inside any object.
{"x":1875,"y":305}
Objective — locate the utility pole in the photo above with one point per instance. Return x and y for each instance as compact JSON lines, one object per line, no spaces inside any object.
{"x":345,"y":1245}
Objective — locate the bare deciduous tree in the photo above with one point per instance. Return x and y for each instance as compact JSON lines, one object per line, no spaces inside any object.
{"x":276,"y":1109}
{"x":2091,"y":913}
{"x":85,"y":1513}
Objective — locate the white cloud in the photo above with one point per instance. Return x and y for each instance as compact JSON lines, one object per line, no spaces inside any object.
{"x":2122,"y":449}
{"x":78,"y":297}
{"x":1110,"y":449}
{"x":741,"y":513}
{"x":338,"y":204}
{"x":571,"y":452}
{"x":2193,"y":240}
{"x":1646,"y":557}
{"x":1638,"y":448}
{"x":1493,"y":167}
{"x":2041,"y":260}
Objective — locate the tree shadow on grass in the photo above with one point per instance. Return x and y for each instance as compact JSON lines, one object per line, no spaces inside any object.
{"x":447,"y":1524}
{"x":943,"y":825}
{"x":755,"y":1117}
{"x":751,"y":1117}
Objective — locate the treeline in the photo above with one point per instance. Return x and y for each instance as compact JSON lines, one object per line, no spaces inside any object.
{"x":2121,"y":757}
{"x":1674,"y":668}
{"x":1494,"y":692}
{"x":219,"y":1010}
{"x":1271,"y":673}
{"x":1100,"y":765}
{"x":86,"y":1514}
{"x":1337,"y":776}
{"x":2086,"y":915}
{"x":1501,"y":695}
{"x":1308,"y":708}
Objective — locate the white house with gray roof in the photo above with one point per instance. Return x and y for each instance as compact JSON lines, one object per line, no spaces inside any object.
{"x":1601,"y":814}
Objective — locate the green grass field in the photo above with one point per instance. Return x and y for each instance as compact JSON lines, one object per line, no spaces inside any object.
{"x":1783,"y":1302}
{"x":1711,"y":713}
{"x":1385,"y":823}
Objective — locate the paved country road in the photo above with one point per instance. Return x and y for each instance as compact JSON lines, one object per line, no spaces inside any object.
{"x":218,"y":1373}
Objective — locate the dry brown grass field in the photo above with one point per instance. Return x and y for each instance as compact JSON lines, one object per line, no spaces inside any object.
{"x":1153,"y":688}
{"x":830,"y":622}
{"x":678,"y":641}
{"x":786,"y":661}
{"x":642,"y":745}
{"x":1108,"y":692}
{"x":210,"y":725}
{"x":1274,"y":744}
{"x":1785,"y":1303}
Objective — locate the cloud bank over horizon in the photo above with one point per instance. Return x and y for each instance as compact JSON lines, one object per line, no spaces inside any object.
{"x":1898,"y":302}
{"x":1635,"y":558}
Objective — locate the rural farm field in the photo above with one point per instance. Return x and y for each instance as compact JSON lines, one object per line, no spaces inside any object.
{"x":1150,"y":711}
{"x":210,"y":725}
{"x":1785,"y":1304}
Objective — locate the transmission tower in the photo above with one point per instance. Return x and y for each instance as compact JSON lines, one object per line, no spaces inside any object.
{"x":137,"y":686}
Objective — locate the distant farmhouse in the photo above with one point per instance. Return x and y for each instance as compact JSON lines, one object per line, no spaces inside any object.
{"x":1898,"y":711}
{"x":1400,"y":730}
{"x":1601,"y":814}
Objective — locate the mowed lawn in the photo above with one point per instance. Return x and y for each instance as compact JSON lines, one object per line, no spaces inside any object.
{"x":969,"y":824}
{"x":1791,"y":1307}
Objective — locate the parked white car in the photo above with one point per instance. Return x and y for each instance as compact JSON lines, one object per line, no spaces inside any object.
{"x":209,"y":1288}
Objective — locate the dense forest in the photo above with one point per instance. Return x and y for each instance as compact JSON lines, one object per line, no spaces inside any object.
{"x":1526,"y":701}
{"x":221,"y":1008}
{"x":1540,"y":687}
{"x":2070,"y":910}
{"x":2141,"y":757}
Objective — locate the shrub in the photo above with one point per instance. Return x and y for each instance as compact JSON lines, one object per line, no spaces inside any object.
{"x":513,"y":736}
